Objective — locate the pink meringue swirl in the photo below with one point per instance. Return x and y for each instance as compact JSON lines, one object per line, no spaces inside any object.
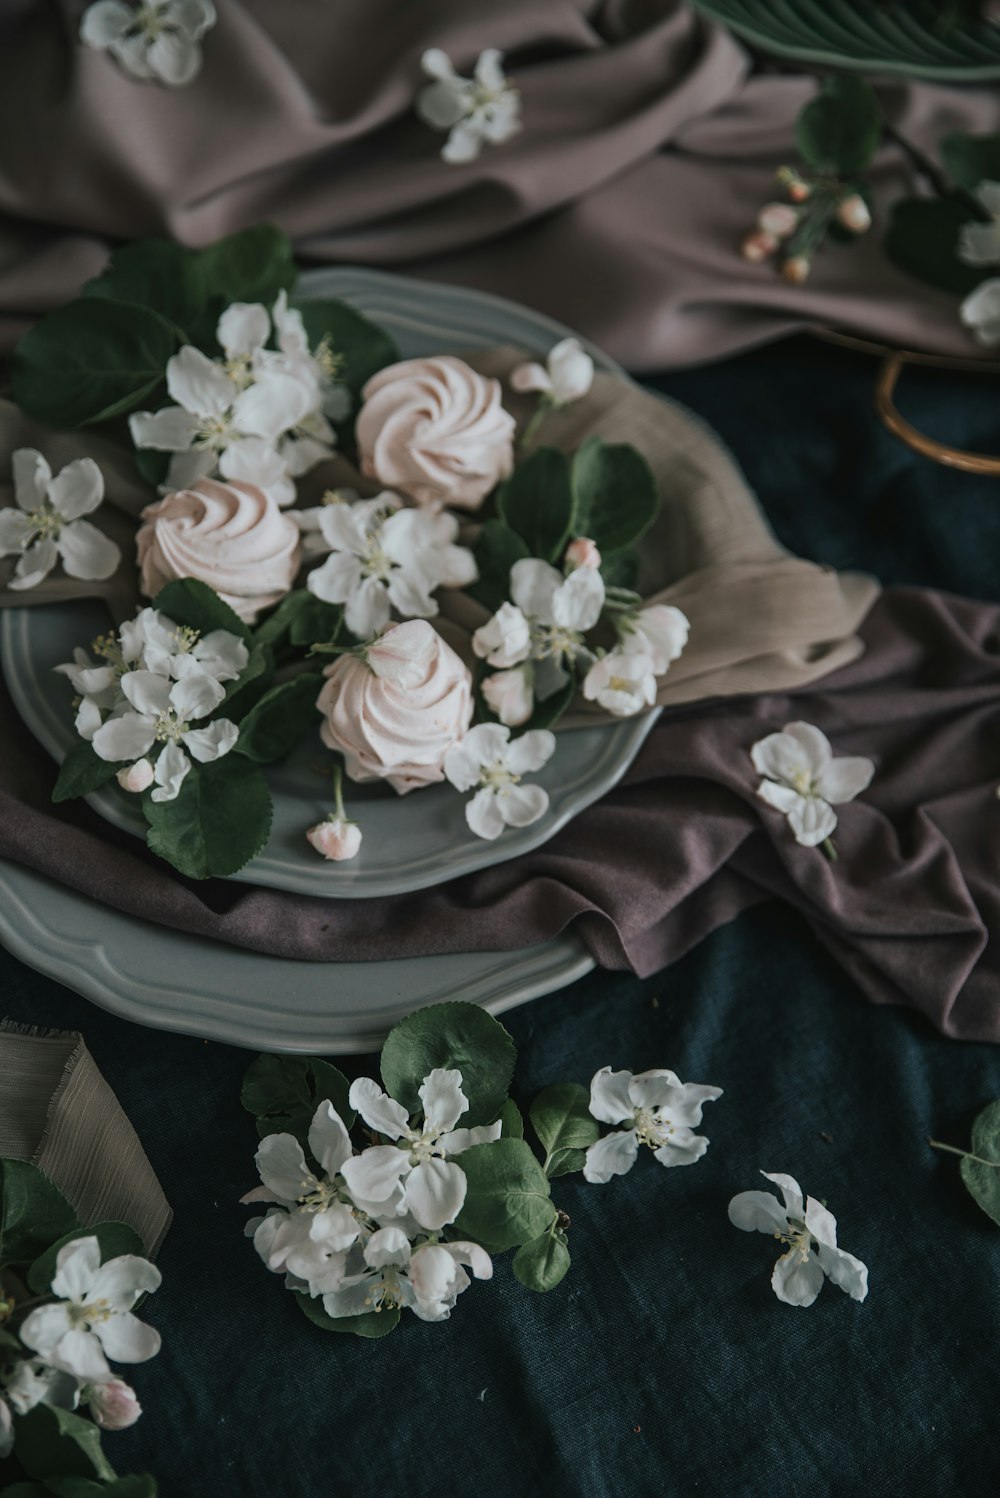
{"x":232,"y":536}
{"x":397,"y":727}
{"x":435,"y":429}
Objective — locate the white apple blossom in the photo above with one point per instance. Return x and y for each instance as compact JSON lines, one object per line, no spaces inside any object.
{"x":163,"y":712}
{"x":505,"y":639}
{"x":566,"y":375}
{"x":392,"y":1274}
{"x":336,"y":838}
{"x":804,"y":781}
{"x":384,"y":556}
{"x":509,"y":695}
{"x":980,"y":312}
{"x":979,"y":243}
{"x":317,"y":367}
{"x":154,"y":40}
{"x":659,"y":1110}
{"x":483,"y":109}
{"x":113,"y":1406}
{"x":46,"y":526}
{"x":810,"y":1232}
{"x":488,"y":762}
{"x":623,"y":684}
{"x":92,"y":1319}
{"x":659,"y":632}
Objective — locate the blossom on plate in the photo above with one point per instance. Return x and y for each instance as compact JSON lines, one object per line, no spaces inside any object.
{"x":391,"y":1274}
{"x":92,"y":1319}
{"x":659,"y":632}
{"x":582,"y":552}
{"x":485,"y":108}
{"x":508,"y":694}
{"x":488,"y":762}
{"x":415,"y":1175}
{"x":804,"y":781}
{"x":506,"y":639}
{"x":176,"y":650}
{"x":660,"y":1111}
{"x":566,"y":375}
{"x":980,"y":312}
{"x":810,"y":1232}
{"x":623,"y":684}
{"x":136,"y":778}
{"x":163,"y":712}
{"x":979,"y":243}
{"x":337,"y":838}
{"x":46,"y":526}
{"x":113,"y":1406}
{"x":155,"y":40}
{"x":385,"y":556}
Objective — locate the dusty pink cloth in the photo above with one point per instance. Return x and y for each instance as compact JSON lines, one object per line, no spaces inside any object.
{"x":648,"y":146}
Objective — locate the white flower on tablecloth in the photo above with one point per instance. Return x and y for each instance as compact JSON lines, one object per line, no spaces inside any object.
{"x":47,"y":526}
{"x":660,"y":1112}
{"x":659,"y":632}
{"x":566,"y":375}
{"x":805,"y":782}
{"x":979,"y":243}
{"x":392,"y":1274}
{"x":155,"y":40}
{"x":623,"y":684}
{"x":810,"y":1232}
{"x":483,"y":109}
{"x":414,"y":1176}
{"x":163,"y":712}
{"x":92,"y":1319}
{"x":384,"y":556}
{"x":488,"y":761}
{"x":980,"y":312}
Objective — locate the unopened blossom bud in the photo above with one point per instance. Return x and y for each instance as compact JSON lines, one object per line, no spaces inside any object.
{"x":759,"y":246}
{"x":137,"y":777}
{"x":778,"y":219}
{"x":797,"y":187}
{"x":582,"y":553}
{"x":336,"y":838}
{"x":796,"y":268}
{"x":113,"y":1405}
{"x":854,"y":214}
{"x":509,"y":695}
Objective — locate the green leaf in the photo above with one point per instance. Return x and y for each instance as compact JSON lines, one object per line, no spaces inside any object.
{"x":283,"y":716}
{"x":330,"y":1084}
{"x":250,"y":266}
{"x":90,"y":360}
{"x":616,"y":495}
{"x":249,"y":686}
{"x":193,"y":603}
{"x":155,"y":273}
{"x":542,"y":1263}
{"x":275,"y":628}
{"x":82,"y":771}
{"x":57,"y":1443}
{"x":451,"y":1035}
{"x":360,"y":346}
{"x":561,"y":1117}
{"x":138,"y":1486}
{"x":115,"y":1238}
{"x":620,"y":570}
{"x":317,"y":623}
{"x":152,"y":465}
{"x":511,"y":1122}
{"x":220,"y":819}
{"x":537,"y":502}
{"x":548,"y":713}
{"x":840,"y":130}
{"x":283,"y":1091}
{"x":507,"y":1200}
{"x":922,"y":239}
{"x":495,"y":549}
{"x":971,"y":159}
{"x":33,"y":1213}
{"x":983,"y":1180}
{"x":371,"y":1324}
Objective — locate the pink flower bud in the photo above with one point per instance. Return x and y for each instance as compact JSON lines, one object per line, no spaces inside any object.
{"x":854,"y":214}
{"x":758,"y":246}
{"x":582,"y":553}
{"x":778,"y":220}
{"x":796,"y":268}
{"x":336,"y":838}
{"x":137,"y":777}
{"x":113,"y":1405}
{"x":799,"y":191}
{"x":509,"y":695}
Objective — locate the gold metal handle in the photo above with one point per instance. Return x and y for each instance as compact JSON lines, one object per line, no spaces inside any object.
{"x":928,"y":447}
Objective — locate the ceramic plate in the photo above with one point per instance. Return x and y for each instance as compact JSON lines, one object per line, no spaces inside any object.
{"x":409,"y":843}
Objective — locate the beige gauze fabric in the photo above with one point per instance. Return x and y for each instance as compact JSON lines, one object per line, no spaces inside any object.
{"x":58,"y":1112}
{"x":761,"y":619}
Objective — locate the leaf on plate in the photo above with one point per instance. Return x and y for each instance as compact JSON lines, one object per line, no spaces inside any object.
{"x":451,"y":1035}
{"x":218,"y":821}
{"x":616,"y":498}
{"x":82,"y":771}
{"x":279,"y":719}
{"x":537,"y":502}
{"x":496,"y":549}
{"x":194,"y":604}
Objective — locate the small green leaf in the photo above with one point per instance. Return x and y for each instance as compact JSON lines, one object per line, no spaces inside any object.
{"x":452,"y":1035}
{"x":360,"y":346}
{"x":971,"y":159}
{"x":318,"y":623}
{"x":542,"y":1263}
{"x":511,"y":1122}
{"x":250,"y":685}
{"x":548,"y":713}
{"x":561,"y":1117}
{"x":537,"y":502}
{"x":330,"y":1084}
{"x":616,"y":495}
{"x":90,"y":360}
{"x":371,"y":1324}
{"x":33,"y":1213}
{"x":275,"y":628}
{"x":620,"y":570}
{"x":193,"y":603}
{"x":219,"y":820}
{"x":154,"y":273}
{"x":252,"y":265}
{"x":275,"y":1084}
{"x":82,"y":771}
{"x":495,"y":549}
{"x":57,"y":1443}
{"x":922,"y":239}
{"x":981,"y":1180}
{"x":840,"y":130}
{"x":115,"y":1238}
{"x":283,"y":716}
{"x":152,"y":465}
{"x":507,"y":1199}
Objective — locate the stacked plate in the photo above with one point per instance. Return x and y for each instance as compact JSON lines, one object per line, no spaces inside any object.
{"x":175,"y":981}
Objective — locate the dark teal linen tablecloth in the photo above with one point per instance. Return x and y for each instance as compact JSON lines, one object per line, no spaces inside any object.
{"x":663,"y":1364}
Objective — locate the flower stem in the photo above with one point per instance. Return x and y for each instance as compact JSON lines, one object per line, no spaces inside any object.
{"x":338,"y":791}
{"x":545,"y":405}
{"x":829,"y":848}
{"x":950,"y":1149}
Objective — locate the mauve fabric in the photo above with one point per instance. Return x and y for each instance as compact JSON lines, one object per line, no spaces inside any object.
{"x":648,"y":145}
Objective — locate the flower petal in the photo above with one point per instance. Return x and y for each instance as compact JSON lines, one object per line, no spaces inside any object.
{"x":174,"y":57}
{"x":443,"y":1099}
{"x":572,"y":370}
{"x":530,"y":751}
{"x":122,"y":1280}
{"x":128,"y":737}
{"x":273,"y":404}
{"x":435,"y":1193}
{"x":577,"y":604}
{"x":147,"y":692}
{"x":533,"y":586}
{"x":243,"y":328}
{"x":813,"y":741}
{"x":812,"y":820}
{"x":171,"y":430}
{"x":196,"y":694}
{"x":521,"y":805}
{"x":844,"y":1271}
{"x":126,"y":1339}
{"x":169,"y":773}
{"x":221,"y":654}
{"x":16,"y":530}
{"x":379,"y":1111}
{"x":77,"y":1266}
{"x":44,"y":1328}
{"x":207,"y":744}
{"x":87,"y":552}
{"x":782,"y":797}
{"x":338,"y":579}
{"x":376,"y":1172}
{"x":757,"y":1212}
{"x":843,"y":779}
{"x":791,"y":1192}
{"x":525,"y":378}
{"x":457,"y":1140}
{"x":34,"y":564}
{"x":614,"y":1155}
{"x":105,"y":22}
{"x":79,"y":1353}
{"x":484,"y":816}
{"x":821,"y":1222}
{"x":198,"y":384}
{"x":282,"y":1167}
{"x":366,"y":612}
{"x":78,"y":489}
{"x":32,"y":476}
{"x":795,"y":1280}
{"x":254,"y":461}
{"x":388,"y":1246}
{"x":781,"y":757}
{"x":464,"y":143}
{"x":682,"y":1148}
{"x":610,"y":1096}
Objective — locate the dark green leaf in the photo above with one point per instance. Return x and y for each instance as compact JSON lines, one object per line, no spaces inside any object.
{"x":283,"y":716}
{"x":250,"y":266}
{"x":620,"y":570}
{"x":90,"y":360}
{"x":616,"y":495}
{"x":84,"y":1487}
{"x":33,"y":1213}
{"x":372,"y":1324}
{"x":115,"y":1238}
{"x":82,"y":771}
{"x":537,"y":502}
{"x":507,"y":1200}
{"x":155,"y":273}
{"x":152,"y":466}
{"x":250,"y":685}
{"x":317,"y":623}
{"x":360,"y":347}
{"x":840,"y":130}
{"x":971,"y":159}
{"x":512,"y":1124}
{"x":220,"y":819}
{"x":330,"y":1084}
{"x":548,"y":713}
{"x":561,"y":1117}
{"x":275,"y":628}
{"x":283,"y":1091}
{"x":983,"y":1181}
{"x":188,"y":601}
{"x":495,"y":549}
{"x":922,"y":239}
{"x":456,"y":1035}
{"x":542,"y":1263}
{"x":57,"y":1443}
